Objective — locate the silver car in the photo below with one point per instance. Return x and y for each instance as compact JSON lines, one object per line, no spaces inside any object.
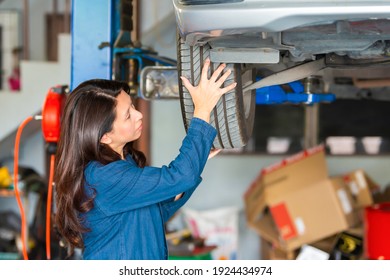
{"x":345,"y":43}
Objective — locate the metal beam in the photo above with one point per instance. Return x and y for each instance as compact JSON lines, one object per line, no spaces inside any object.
{"x":92,"y":38}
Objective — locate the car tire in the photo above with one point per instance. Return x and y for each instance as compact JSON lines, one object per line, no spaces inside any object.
{"x":233,"y":116}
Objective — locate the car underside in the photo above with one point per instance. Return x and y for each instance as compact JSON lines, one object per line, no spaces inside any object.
{"x":345,"y":44}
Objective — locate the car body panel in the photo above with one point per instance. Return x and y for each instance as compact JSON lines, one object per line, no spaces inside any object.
{"x":196,"y":22}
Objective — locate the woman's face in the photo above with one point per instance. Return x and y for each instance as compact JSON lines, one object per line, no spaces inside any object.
{"x":127,"y":125}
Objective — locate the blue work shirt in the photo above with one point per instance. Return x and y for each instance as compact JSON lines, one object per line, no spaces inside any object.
{"x":132,"y":203}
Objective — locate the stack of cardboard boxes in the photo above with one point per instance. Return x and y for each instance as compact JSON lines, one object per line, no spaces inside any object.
{"x":295,"y":203}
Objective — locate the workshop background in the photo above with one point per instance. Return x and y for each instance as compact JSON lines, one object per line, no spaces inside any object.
{"x":226,"y":177}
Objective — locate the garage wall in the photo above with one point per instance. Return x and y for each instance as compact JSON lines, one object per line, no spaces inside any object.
{"x":37,"y":11}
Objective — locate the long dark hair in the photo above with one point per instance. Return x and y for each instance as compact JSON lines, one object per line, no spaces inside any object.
{"x":89,"y":113}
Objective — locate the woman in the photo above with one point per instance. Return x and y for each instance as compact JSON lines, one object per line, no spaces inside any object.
{"x":108,"y":202}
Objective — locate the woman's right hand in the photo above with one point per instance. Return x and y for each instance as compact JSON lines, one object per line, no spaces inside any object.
{"x":207,"y":93}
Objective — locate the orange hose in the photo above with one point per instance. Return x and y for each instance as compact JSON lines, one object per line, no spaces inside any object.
{"x":48,"y":207}
{"x":17,"y":195}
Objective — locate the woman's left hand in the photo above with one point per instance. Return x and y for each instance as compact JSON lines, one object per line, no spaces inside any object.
{"x":213,"y":153}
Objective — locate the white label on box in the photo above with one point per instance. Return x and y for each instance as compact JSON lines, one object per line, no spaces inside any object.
{"x":345,"y":204}
{"x":300,"y":225}
{"x":311,"y":253}
{"x":353,"y":187}
{"x":361,"y":180}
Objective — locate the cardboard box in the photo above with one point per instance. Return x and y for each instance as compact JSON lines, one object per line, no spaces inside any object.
{"x":362,"y":188}
{"x":343,"y":245}
{"x":294,"y":202}
{"x":271,"y":252}
{"x":326,"y":244}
